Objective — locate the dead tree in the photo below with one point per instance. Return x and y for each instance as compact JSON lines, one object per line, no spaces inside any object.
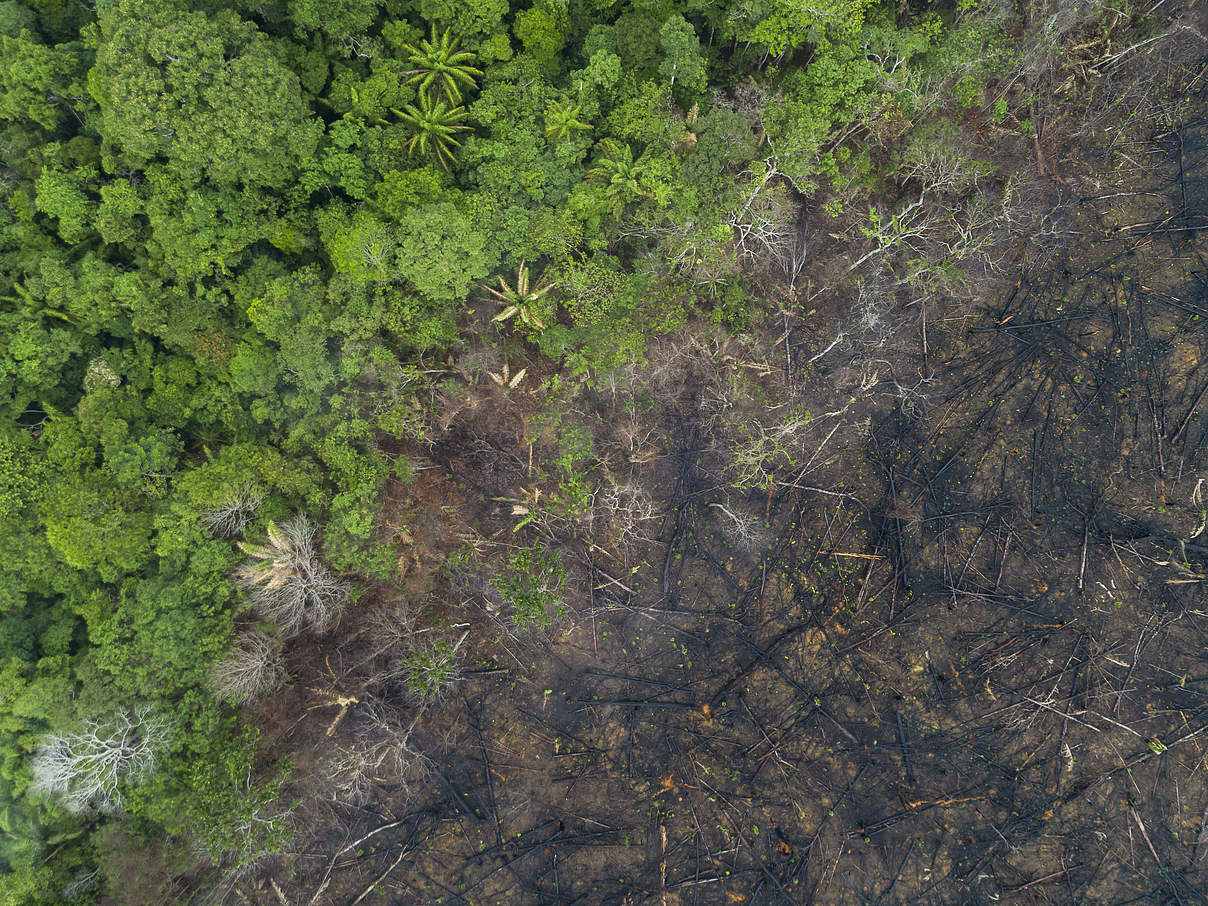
{"x":766,"y":226}
{"x":288,"y":582}
{"x":83,"y":770}
{"x":758,"y":451}
{"x":250,"y":670}
{"x":378,"y":752}
{"x":232,"y":516}
{"x":741,"y":530}
{"x":627,"y":507}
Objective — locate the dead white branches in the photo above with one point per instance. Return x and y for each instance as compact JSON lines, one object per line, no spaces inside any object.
{"x":758,"y":451}
{"x":766,"y":227}
{"x":288,"y":582}
{"x":232,"y":516}
{"x":250,"y":670}
{"x":932,"y":240}
{"x":379,"y":752}
{"x":741,"y":530}
{"x":83,"y":770}
{"x":626,"y":507}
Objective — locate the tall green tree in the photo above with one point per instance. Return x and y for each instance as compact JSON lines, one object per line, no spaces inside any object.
{"x":778,"y":26}
{"x":683,"y":66}
{"x":203,"y":95}
{"x":39,"y":83}
{"x":339,"y":19}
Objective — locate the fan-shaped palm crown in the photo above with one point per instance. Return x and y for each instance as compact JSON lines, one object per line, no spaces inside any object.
{"x":562,"y":121}
{"x":518,"y":300}
{"x":618,"y":172}
{"x":434,"y":124}
{"x":439,"y":63}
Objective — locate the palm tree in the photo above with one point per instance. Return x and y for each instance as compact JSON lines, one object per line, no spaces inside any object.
{"x":440,"y":63}
{"x":519,"y":300}
{"x":288,"y":582}
{"x":618,"y":172}
{"x":434,"y":123}
{"x":562,"y":121}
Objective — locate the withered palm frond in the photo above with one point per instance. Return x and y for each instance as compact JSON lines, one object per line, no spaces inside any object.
{"x":288,"y":582}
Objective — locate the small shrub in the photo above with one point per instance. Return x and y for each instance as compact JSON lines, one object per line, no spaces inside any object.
{"x":532,"y":586}
{"x":432,"y":669}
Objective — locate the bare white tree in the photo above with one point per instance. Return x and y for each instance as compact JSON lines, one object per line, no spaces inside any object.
{"x":232,"y":516}
{"x":742,"y":530}
{"x":379,"y":753}
{"x":906,"y":229}
{"x":932,"y":241}
{"x":873,"y":323}
{"x":288,"y":582}
{"x":375,"y":250}
{"x":392,"y":626}
{"x":766,"y":227}
{"x":251,"y":669}
{"x":941,"y":162}
{"x":626,"y":507}
{"x":84,"y":880}
{"x":83,"y":770}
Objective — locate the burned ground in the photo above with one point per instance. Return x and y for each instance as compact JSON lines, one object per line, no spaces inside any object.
{"x":954,"y":654}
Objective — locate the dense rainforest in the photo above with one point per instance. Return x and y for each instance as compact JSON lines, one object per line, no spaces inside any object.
{"x":368,"y":364}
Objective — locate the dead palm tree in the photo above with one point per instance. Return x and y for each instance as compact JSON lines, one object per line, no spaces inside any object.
{"x":288,"y":582}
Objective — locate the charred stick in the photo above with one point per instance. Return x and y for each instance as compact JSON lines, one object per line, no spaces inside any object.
{"x":910,"y":778}
{"x":898,"y":875}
